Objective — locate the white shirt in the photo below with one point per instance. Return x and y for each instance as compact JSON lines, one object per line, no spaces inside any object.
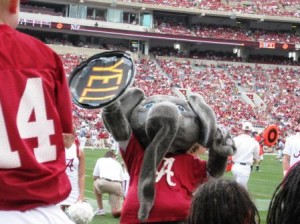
{"x":108,"y":168}
{"x":292,"y":148}
{"x":126,"y":179}
{"x":247,"y":149}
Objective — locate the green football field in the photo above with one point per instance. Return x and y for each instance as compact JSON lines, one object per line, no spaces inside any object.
{"x":261,"y":185}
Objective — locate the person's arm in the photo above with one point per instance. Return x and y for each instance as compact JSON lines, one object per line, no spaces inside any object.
{"x":81,"y":175}
{"x":96,"y":172}
{"x":202,"y":150}
{"x":256,"y":153}
{"x":286,"y":160}
{"x":286,"y":163}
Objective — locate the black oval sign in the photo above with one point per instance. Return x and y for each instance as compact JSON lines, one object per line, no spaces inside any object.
{"x":101,"y":79}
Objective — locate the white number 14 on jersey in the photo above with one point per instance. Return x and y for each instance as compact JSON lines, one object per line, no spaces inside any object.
{"x":32,"y":101}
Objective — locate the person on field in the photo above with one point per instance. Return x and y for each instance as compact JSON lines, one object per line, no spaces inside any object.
{"x":291,"y":151}
{"x":108,"y":178}
{"x":75,"y":169}
{"x":247,"y":152}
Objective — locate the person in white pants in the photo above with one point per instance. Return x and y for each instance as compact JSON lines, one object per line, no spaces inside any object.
{"x":247,"y":152}
{"x":291,"y":152}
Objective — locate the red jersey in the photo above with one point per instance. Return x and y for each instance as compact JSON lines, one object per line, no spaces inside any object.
{"x":35,"y":109}
{"x":259,"y":139}
{"x":177,"y":178}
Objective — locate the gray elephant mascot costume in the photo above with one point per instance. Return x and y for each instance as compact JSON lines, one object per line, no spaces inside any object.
{"x":154,"y":135}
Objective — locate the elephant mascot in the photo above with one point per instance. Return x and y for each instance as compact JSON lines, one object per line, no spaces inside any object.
{"x":154,"y":135}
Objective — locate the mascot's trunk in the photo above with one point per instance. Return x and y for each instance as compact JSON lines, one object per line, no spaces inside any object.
{"x":162,"y":126}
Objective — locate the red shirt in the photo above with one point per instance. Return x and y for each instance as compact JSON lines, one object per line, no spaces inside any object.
{"x":173,"y":192}
{"x":35,"y":108}
{"x":259,"y":139}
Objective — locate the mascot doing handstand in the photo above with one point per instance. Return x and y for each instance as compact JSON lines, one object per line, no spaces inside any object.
{"x":154,"y":135}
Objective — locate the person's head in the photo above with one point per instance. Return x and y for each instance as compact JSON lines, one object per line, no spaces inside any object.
{"x":110,"y":154}
{"x":197,"y":150}
{"x":222,"y":201}
{"x":247,"y":127}
{"x":285,"y":204}
{"x":9,"y":12}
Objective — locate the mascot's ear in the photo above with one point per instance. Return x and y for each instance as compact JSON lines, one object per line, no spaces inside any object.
{"x":207,"y":117}
{"x":131,"y":98}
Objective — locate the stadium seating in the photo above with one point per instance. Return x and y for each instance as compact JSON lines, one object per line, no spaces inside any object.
{"x":270,"y":8}
{"x":223,"y":76}
{"x":220,"y":86}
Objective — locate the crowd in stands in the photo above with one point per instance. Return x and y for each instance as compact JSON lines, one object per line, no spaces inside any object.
{"x":225,"y":32}
{"x":174,"y":3}
{"x":167,"y":51}
{"x":85,"y":43}
{"x":272,"y":59}
{"x":216,"y":87}
{"x":222,"y":56}
{"x":152,"y":79}
{"x":220,"y":85}
{"x":270,"y":8}
{"x":212,"y":55}
{"x":201,"y":30}
{"x":70,"y":61}
{"x":98,"y":18}
{"x":289,"y":2}
{"x":40,"y":10}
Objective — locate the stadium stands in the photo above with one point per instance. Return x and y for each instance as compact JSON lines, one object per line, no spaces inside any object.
{"x":220,"y":84}
{"x":258,"y":7}
{"x":220,"y":76}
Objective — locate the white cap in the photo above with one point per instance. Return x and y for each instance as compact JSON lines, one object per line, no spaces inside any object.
{"x":247,"y":126}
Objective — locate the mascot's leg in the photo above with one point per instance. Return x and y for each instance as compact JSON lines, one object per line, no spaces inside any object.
{"x":162,"y":131}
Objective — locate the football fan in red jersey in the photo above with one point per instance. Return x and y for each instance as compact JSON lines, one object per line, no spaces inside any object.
{"x":154,"y":135}
{"x":35,"y":111}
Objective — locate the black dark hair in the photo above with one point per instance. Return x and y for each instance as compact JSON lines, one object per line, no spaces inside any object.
{"x":285,"y":204}
{"x":222,"y":201}
{"x":110,"y":154}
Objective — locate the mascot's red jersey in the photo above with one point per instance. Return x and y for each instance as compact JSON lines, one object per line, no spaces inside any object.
{"x":35,"y":109}
{"x":176,"y":179}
